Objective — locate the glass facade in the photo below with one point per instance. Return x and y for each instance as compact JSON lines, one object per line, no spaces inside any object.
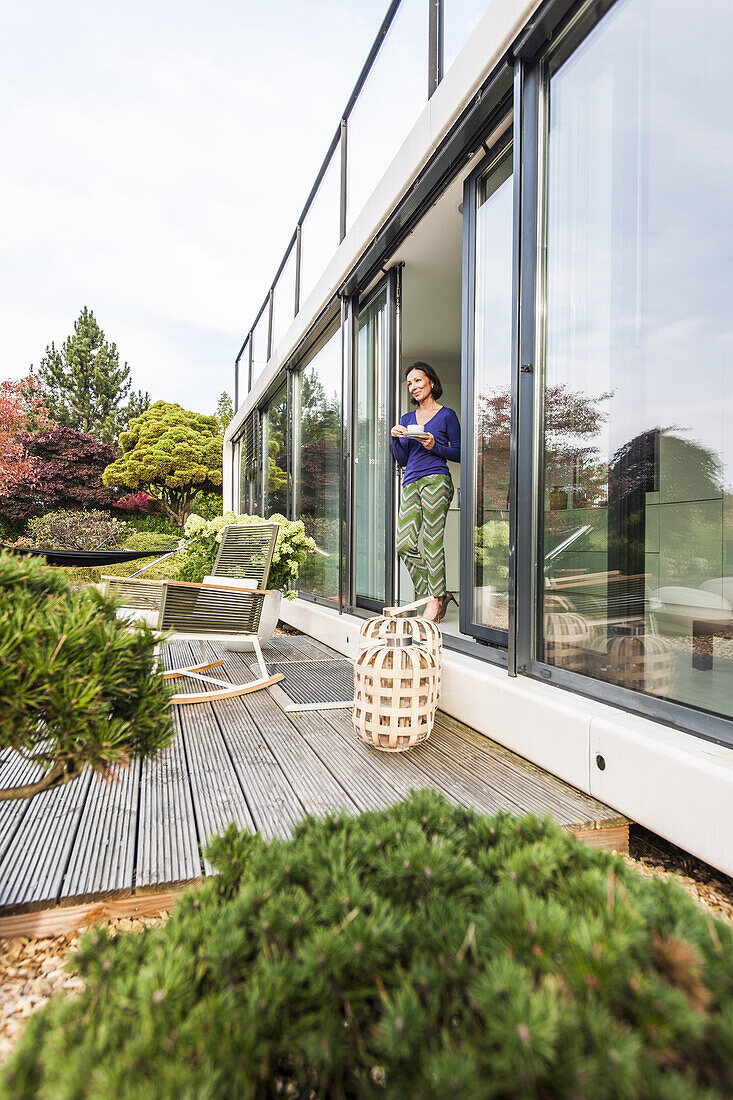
{"x":637,"y":505}
{"x":318,"y":466}
{"x":596,"y":491}
{"x":275,"y":473}
{"x":492,"y":394}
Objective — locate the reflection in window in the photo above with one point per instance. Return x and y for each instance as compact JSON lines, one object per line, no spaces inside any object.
{"x":492,"y":391}
{"x":638,"y":424}
{"x":318,"y":458}
{"x":275,"y":454}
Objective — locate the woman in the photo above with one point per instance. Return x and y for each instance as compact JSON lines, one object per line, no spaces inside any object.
{"x":423,"y":442}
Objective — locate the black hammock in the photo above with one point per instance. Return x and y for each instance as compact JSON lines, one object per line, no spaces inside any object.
{"x":87,"y":557}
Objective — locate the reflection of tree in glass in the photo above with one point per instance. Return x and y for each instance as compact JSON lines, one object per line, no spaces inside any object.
{"x":571,"y":418}
{"x":277,"y":472}
{"x":690,"y":476}
{"x":319,"y":460}
{"x":319,"y":451}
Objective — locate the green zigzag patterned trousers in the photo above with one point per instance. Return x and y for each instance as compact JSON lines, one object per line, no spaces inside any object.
{"x":424,"y":504}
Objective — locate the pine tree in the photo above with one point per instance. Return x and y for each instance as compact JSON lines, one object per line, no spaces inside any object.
{"x":85,"y":383}
{"x":224,"y":410}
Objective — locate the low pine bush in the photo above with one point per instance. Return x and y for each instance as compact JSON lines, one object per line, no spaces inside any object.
{"x":422,"y":952}
{"x":78,"y":687}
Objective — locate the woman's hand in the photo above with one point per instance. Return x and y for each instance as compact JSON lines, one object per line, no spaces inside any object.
{"x":399,"y":431}
{"x":429,"y":441}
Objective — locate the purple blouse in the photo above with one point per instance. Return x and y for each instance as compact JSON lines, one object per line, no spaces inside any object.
{"x":418,"y":461}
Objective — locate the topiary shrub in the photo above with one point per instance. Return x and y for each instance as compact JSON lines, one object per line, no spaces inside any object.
{"x":70,"y":530}
{"x":424,"y":951}
{"x":78,"y":686}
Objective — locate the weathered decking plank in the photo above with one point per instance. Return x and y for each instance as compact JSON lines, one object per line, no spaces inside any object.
{"x":32,"y":870}
{"x":536,"y":791}
{"x":218,"y":797}
{"x":14,"y":772}
{"x":102,"y":860}
{"x":167,"y":846}
{"x":312,"y":781}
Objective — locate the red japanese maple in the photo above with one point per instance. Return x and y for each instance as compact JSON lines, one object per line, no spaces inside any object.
{"x":21,"y":412}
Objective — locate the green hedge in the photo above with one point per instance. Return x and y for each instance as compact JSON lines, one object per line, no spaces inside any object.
{"x":424,"y":951}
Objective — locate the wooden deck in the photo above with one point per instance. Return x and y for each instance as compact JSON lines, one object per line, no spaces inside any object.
{"x":244,"y":760}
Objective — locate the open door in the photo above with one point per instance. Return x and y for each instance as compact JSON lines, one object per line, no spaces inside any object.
{"x":373,"y":478}
{"x":487,"y":397}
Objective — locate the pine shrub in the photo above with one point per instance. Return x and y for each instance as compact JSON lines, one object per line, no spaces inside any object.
{"x":78,"y":686}
{"x":420,"y":952}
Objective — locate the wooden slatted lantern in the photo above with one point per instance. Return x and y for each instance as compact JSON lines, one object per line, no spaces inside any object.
{"x":396,"y":691}
{"x":568,"y":637}
{"x":422,"y":631}
{"x":641,"y":662}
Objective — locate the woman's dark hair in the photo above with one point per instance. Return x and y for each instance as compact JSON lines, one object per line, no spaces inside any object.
{"x":434,"y":380}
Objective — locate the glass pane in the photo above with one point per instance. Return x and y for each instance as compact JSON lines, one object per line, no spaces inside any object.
{"x":389,"y":104}
{"x":372,"y":450}
{"x":259,"y":344}
{"x":460,"y":18}
{"x":275,"y":425}
{"x":244,"y":497}
{"x":320,"y":230}
{"x":283,"y":309}
{"x":638,"y":424}
{"x":492,"y":391}
{"x":318,"y":460}
{"x":243,"y":372}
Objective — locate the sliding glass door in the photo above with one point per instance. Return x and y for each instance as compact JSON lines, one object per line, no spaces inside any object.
{"x":373,"y":408}
{"x":487,"y":404}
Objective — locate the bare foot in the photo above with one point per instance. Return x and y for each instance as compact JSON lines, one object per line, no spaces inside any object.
{"x":432,"y":610}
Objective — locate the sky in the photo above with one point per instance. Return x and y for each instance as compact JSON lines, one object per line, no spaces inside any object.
{"x":155,"y":159}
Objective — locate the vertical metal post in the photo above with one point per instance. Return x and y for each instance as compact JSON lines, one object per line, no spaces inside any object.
{"x":236,"y":383}
{"x":269,"y":323}
{"x":295,"y":431}
{"x":344,"y":179}
{"x":468,"y":437}
{"x":522,"y":442}
{"x":342,"y":459}
{"x":250,"y":363}
{"x":352,"y":337}
{"x":435,"y":44}
{"x":394,"y":349}
{"x":298,"y":236}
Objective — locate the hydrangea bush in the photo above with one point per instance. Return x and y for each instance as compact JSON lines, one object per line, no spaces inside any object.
{"x":203,"y":538}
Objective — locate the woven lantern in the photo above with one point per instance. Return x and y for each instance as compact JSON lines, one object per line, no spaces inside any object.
{"x":422,"y":631}
{"x":396,"y":691}
{"x":641,"y":662}
{"x":568,"y":637}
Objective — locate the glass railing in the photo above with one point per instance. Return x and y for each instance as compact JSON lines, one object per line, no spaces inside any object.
{"x":416,"y":43}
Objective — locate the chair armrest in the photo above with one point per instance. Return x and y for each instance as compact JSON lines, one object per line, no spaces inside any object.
{"x":220,"y":587}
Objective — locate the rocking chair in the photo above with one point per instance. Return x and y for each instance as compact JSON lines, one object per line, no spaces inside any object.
{"x":210,"y":612}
